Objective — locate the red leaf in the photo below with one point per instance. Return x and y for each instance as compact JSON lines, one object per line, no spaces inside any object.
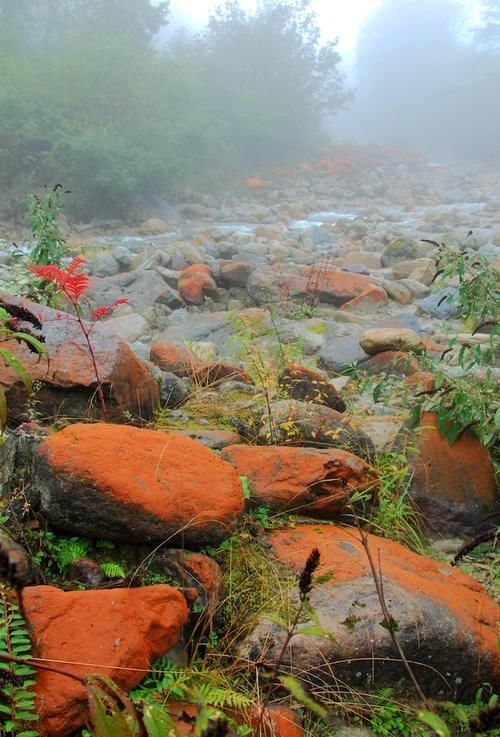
{"x":49,"y":273}
{"x":74,"y":265}
{"x":75,"y":285}
{"x":102,"y":311}
{"x":117,"y":302}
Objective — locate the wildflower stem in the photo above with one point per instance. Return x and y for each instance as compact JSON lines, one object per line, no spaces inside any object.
{"x":86,"y":333}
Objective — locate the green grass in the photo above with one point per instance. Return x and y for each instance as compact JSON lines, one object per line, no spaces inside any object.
{"x":396,"y":517}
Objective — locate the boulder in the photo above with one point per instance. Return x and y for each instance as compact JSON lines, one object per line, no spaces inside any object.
{"x":277,"y":721}
{"x":104,"y":265}
{"x":420,"y":269}
{"x":132,"y":485}
{"x":210,"y":374}
{"x":398,"y":292}
{"x":235,"y":273}
{"x":306,"y":385}
{"x":66,"y":376}
{"x":395,"y":363}
{"x":142,"y":288}
{"x":316,"y":483}
{"x":129,"y":327}
{"x":442,"y":304}
{"x":446,"y":622}
{"x":118,"y":633}
{"x":215,"y":439}
{"x":401,"y":249}
{"x":174,"y":390}
{"x":378,"y":340}
{"x":339,"y":353}
{"x":154,"y":226}
{"x":311,"y":425}
{"x":370,"y":259}
{"x":452,"y":485}
{"x":176,"y":359}
{"x":369,"y":299}
{"x":335,"y":287}
{"x":195,"y":283}
{"x":185,"y":568}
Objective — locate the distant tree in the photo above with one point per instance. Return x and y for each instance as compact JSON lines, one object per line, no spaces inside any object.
{"x":49,"y":20}
{"x":488,"y":34}
{"x":413,"y":83}
{"x":123,"y":17}
{"x":270,"y":75}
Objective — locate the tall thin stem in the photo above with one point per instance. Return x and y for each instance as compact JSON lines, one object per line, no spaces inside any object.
{"x":86,"y":333}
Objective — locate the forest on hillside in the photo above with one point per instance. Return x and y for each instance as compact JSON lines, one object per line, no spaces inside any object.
{"x":90,"y":94}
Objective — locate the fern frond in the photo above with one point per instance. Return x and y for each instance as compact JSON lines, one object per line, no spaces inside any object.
{"x":17,"y":700}
{"x":113,"y":570}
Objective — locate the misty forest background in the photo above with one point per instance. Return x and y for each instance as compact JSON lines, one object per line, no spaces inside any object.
{"x":93,"y":95}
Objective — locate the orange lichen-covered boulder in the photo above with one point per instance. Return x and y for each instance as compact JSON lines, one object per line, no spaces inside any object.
{"x":276,"y":721}
{"x":370,"y":298}
{"x":195,"y":282}
{"x":210,"y":374}
{"x":116,"y":633}
{"x":446,"y":622}
{"x":397,"y":363}
{"x":253,"y":182}
{"x":421,"y":381}
{"x":66,"y":374}
{"x":123,"y":483}
{"x":327,"y":285}
{"x":310,"y":481}
{"x":453,"y":485}
{"x":177,"y":359}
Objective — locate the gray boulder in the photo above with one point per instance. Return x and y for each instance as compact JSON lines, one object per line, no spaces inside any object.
{"x":442,"y":304}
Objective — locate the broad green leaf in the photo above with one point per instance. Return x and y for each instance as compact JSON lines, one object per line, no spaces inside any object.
{"x":112,"y":714}
{"x":157,"y":721}
{"x":442,"y":422}
{"x":315,"y":630}
{"x":246,"y":488}
{"x":454,"y":430}
{"x":435,"y":723}
{"x":22,"y":670}
{"x":27,"y":716}
{"x":439,"y":380}
{"x":29,"y":733}
{"x":37,"y":344}
{"x":298,"y":692}
{"x":17,"y":366}
{"x":3,"y":420}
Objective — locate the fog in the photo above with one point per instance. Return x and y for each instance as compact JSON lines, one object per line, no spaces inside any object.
{"x":426,"y":77}
{"x":110,"y":98}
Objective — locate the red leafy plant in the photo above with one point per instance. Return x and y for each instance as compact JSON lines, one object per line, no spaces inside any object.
{"x":74,"y":285}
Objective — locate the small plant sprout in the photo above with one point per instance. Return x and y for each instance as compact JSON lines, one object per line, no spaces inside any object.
{"x":71,"y":282}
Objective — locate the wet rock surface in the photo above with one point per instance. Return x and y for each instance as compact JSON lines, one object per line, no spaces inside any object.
{"x":445,"y":620}
{"x":127,"y":484}
{"x":277,"y":341}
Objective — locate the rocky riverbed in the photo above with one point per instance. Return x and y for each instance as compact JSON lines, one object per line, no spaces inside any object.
{"x":286,"y":329}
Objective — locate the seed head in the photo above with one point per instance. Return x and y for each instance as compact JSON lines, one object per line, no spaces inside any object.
{"x":306,"y":577}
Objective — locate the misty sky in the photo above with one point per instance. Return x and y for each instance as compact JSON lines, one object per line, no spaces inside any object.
{"x":342,"y":18}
